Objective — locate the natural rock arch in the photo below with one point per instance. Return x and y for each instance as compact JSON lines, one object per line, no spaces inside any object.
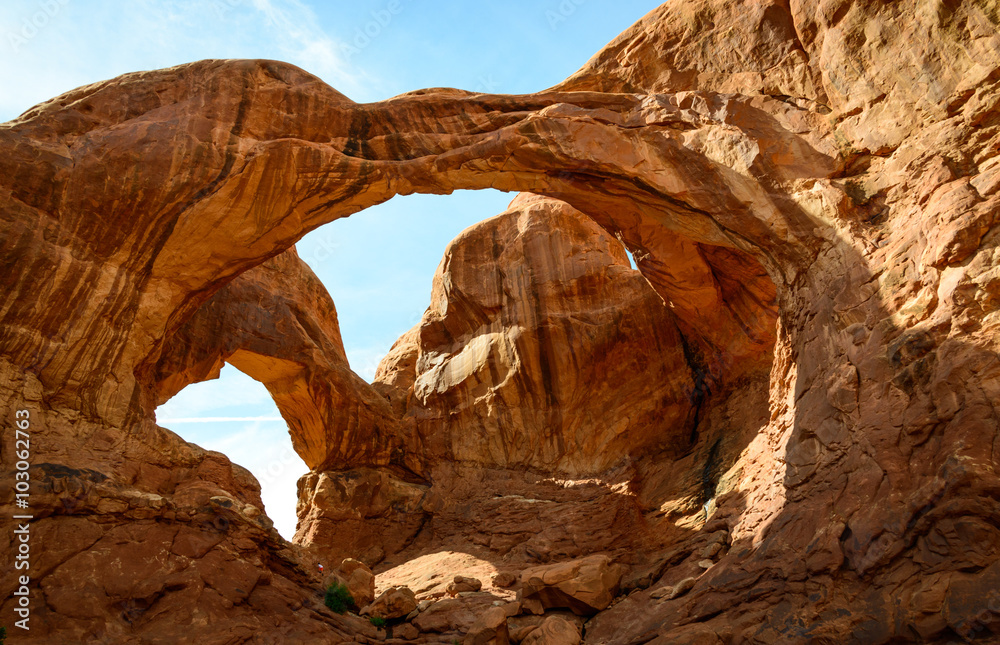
{"x":267,"y":177}
{"x":864,"y":182}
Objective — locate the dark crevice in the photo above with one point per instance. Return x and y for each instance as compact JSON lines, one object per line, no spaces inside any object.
{"x":710,"y":471}
{"x":700,"y":391}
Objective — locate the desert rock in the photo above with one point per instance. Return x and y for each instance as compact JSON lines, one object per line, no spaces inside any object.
{"x":360,"y":581}
{"x":461,"y":584}
{"x":490,"y":628}
{"x":504,"y":579}
{"x":553,"y":631}
{"x":395,"y":602}
{"x":585,"y":586}
{"x":810,"y":188}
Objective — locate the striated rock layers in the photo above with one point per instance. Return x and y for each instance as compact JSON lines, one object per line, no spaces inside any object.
{"x":497,"y":391}
{"x":528,"y":311}
{"x":811,"y":188}
{"x":278,"y":324}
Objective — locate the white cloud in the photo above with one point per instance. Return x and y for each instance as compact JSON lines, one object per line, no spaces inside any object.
{"x":305,"y":44}
{"x":84,"y":41}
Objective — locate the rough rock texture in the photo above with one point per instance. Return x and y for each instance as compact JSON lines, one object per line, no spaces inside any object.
{"x":489,"y":629}
{"x":358,"y":578}
{"x":528,"y":310}
{"x":585,"y":586}
{"x":463,"y":584}
{"x":454,"y":615}
{"x":363,"y":513}
{"x":553,"y":631}
{"x":278,"y":324}
{"x":394,"y":602}
{"x":174,"y":544}
{"x":840,"y":159}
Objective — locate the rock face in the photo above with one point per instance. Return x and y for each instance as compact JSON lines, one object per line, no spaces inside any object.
{"x":489,"y":629}
{"x":811,"y":188}
{"x":358,"y":579}
{"x":364,"y":513}
{"x":553,"y":631}
{"x":278,"y":324}
{"x":528,"y":310}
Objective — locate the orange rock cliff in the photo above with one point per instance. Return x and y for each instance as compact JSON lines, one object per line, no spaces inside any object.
{"x":781,"y":427}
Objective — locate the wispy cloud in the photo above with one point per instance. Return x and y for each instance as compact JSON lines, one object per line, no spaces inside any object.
{"x":86,"y":41}
{"x":305,"y":44}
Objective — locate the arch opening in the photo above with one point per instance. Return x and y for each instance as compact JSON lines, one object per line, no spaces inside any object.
{"x":234,"y":414}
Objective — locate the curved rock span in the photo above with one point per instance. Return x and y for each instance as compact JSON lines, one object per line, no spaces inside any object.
{"x":782,"y":425}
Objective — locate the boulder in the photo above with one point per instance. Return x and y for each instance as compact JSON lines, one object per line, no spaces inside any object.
{"x":463,"y":584}
{"x":490,"y":628}
{"x":360,"y":581}
{"x":585,"y":586}
{"x":394,"y":602}
{"x":504,"y":579}
{"x":553,"y":631}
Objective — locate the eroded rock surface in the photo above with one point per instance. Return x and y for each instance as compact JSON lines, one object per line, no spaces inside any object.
{"x":585,"y":586}
{"x":529,"y":310}
{"x":812,"y":188}
{"x":278,"y":324}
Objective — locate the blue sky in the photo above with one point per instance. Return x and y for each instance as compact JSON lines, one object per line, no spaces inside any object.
{"x":377,"y":264}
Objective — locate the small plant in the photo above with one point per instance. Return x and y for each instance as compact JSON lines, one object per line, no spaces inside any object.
{"x":377,"y":622}
{"x":338,"y":598}
{"x":3,"y":635}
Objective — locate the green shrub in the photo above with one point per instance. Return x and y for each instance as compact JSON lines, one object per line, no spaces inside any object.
{"x":376,"y":621}
{"x":3,"y":635}
{"x":338,"y":598}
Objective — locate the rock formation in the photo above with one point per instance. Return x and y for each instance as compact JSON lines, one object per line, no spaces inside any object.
{"x":277,"y":323}
{"x":811,"y":188}
{"x":585,"y":586}
{"x":528,"y":311}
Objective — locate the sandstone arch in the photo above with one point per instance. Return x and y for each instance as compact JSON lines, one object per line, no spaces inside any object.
{"x":237,"y":199}
{"x":864,"y":180}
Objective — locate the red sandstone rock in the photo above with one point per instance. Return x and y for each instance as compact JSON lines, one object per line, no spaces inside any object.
{"x":830,"y":167}
{"x":585,"y":586}
{"x":360,"y":581}
{"x":489,"y":629}
{"x":395,"y":602}
{"x":456,"y":615}
{"x":461,"y":584}
{"x":553,"y":631}
{"x":360,"y":513}
{"x":528,"y":309}
{"x":278,"y":324}
{"x":504,"y":579}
